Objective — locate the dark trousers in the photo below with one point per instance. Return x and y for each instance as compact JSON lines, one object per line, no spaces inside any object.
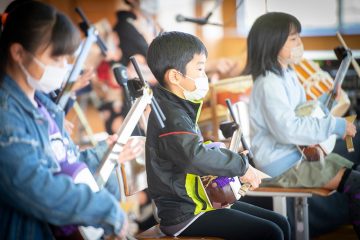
{"x":242,"y":221}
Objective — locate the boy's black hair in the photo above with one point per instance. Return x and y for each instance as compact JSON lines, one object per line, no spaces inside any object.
{"x":266,"y":38}
{"x":34,"y":24}
{"x":172,"y":50}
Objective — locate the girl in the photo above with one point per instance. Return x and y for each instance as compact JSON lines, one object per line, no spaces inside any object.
{"x":34,"y":147}
{"x":273,"y":45}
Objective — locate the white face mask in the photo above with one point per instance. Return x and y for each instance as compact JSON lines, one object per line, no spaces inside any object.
{"x":296,"y":54}
{"x":51,"y":79}
{"x":201,"y":89}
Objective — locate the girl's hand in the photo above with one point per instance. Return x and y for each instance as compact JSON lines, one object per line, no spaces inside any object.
{"x":350,"y":130}
{"x":132,"y":149}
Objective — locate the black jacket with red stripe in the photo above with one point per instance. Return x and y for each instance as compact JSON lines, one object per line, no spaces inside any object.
{"x":175,"y":156}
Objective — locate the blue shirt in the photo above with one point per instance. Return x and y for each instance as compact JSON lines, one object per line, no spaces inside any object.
{"x":274,"y":127}
{"x":31,"y":193}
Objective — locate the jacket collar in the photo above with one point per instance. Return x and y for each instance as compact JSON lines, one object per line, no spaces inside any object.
{"x":124,"y":15}
{"x":192,"y":108}
{"x":13,"y":89}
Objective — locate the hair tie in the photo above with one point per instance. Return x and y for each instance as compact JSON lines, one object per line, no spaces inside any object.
{"x":3,"y":18}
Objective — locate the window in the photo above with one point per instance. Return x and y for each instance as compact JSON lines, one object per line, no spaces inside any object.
{"x":318,"y":18}
{"x":350,"y":18}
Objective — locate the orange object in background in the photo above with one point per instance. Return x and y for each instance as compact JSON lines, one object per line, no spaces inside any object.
{"x":233,"y":96}
{"x":315,"y":81}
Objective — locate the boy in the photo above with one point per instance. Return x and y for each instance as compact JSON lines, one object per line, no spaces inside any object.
{"x":176,"y":154}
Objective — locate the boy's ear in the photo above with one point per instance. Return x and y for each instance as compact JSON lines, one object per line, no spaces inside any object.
{"x":172,"y":76}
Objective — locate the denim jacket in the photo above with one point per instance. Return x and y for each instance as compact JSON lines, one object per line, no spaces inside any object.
{"x":31,"y":195}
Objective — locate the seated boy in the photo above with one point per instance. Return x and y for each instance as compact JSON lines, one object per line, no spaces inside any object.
{"x":176,"y":154}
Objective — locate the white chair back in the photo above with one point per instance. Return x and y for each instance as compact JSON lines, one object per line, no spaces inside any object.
{"x":241,"y":111}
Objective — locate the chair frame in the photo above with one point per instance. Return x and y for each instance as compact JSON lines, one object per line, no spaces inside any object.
{"x":301,"y":211}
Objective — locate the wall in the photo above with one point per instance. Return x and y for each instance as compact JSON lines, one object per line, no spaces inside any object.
{"x":230,"y":45}
{"x":95,"y":10}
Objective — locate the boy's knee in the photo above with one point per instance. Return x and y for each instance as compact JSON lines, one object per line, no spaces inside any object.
{"x":273,"y":231}
{"x":283,"y":221}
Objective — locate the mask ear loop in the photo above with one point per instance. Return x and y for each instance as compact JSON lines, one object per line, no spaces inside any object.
{"x":178,"y":84}
{"x":185,"y":75}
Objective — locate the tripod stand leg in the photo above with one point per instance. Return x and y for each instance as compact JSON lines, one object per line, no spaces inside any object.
{"x":85,"y":123}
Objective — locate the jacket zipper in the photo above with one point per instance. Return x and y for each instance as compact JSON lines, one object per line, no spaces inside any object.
{"x":197,"y":194}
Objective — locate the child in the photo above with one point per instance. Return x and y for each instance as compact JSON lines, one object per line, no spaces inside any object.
{"x":273,"y":45}
{"x":176,"y":154}
{"x":34,"y":147}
